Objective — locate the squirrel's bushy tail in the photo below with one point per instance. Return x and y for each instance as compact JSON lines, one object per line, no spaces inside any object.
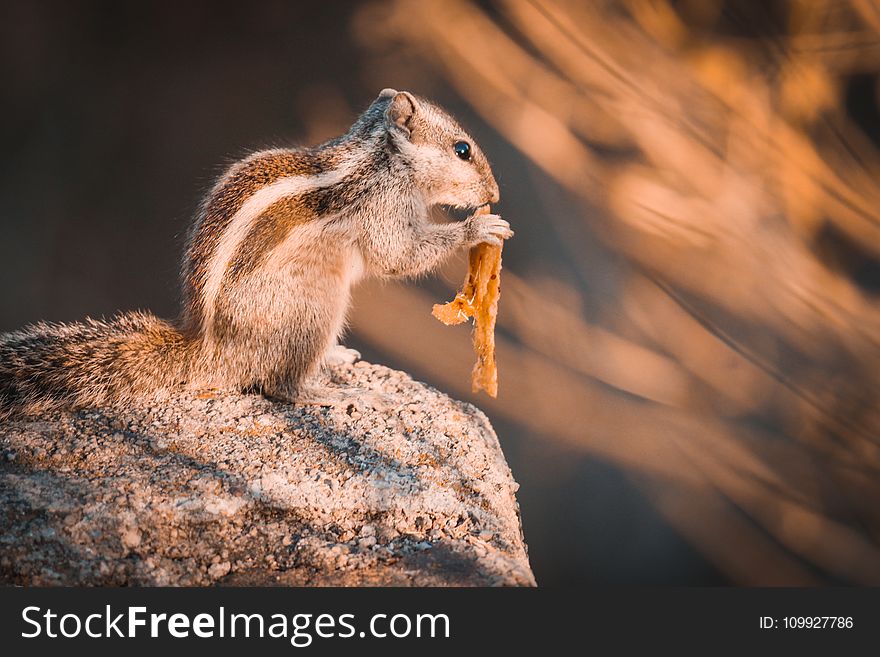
{"x":90,"y":363}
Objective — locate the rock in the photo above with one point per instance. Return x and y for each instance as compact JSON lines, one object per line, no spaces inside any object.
{"x":400,"y":486}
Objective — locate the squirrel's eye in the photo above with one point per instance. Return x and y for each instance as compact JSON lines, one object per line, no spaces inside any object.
{"x":463,"y":150}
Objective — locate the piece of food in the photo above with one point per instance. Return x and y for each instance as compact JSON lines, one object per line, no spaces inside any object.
{"x":478,"y":298}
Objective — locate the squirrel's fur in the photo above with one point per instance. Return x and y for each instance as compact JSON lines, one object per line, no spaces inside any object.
{"x":271,"y":258}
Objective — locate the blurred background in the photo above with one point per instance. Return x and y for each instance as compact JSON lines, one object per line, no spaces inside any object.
{"x":689,"y":332}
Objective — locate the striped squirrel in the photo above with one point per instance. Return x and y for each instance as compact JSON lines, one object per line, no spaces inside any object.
{"x":270,"y":261}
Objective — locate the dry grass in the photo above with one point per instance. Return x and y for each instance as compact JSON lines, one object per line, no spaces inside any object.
{"x":734,"y":373}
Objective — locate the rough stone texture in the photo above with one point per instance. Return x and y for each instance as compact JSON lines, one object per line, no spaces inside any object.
{"x":401,"y":486}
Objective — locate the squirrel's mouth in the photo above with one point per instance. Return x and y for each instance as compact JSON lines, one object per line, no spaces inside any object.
{"x":446,"y":213}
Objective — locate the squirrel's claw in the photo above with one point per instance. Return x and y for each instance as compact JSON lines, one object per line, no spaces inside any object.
{"x":489,"y":228}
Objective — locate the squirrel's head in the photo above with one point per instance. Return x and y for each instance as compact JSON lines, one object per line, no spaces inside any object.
{"x":447,"y":165}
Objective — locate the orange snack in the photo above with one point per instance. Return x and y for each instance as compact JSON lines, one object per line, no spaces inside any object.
{"x":478,"y":298}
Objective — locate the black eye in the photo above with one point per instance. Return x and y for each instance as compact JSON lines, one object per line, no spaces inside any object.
{"x":463,"y":150}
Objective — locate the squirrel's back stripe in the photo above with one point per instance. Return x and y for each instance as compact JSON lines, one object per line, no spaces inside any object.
{"x":226,"y":198}
{"x":270,"y":229}
{"x":243,"y":221}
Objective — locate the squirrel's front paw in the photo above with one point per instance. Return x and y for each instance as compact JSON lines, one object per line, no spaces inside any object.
{"x":488,"y":228}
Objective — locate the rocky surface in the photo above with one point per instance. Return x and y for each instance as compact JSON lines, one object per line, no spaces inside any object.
{"x":398,"y":485}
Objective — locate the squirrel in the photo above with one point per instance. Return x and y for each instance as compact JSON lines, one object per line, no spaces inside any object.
{"x":270,"y":261}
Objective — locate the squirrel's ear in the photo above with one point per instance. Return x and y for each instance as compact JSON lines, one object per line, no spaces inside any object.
{"x":400,"y":111}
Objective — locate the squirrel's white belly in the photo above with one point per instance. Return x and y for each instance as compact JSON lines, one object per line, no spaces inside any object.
{"x":356,"y":266}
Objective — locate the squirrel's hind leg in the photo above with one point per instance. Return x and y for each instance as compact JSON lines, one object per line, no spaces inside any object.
{"x":339,"y":355}
{"x":350,"y":397}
